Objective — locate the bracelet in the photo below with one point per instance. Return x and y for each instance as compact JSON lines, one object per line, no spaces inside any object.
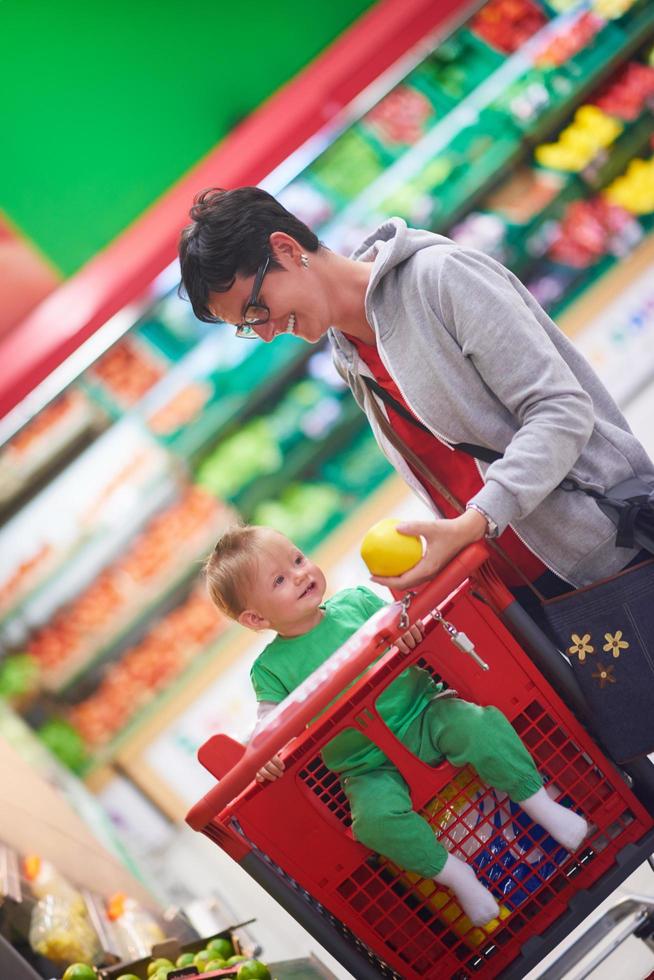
{"x":493,"y":529}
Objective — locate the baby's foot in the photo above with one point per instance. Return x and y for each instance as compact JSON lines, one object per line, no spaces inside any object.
{"x":475,"y":900}
{"x":564,"y":825}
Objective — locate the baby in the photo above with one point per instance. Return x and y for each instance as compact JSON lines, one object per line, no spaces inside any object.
{"x":259,"y":578}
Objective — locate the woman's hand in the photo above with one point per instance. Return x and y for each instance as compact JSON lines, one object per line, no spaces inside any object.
{"x":272,"y":770}
{"x":443,"y":539}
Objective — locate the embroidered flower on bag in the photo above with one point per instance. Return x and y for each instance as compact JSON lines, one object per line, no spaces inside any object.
{"x":615,"y":643}
{"x":604,"y":675}
{"x":581,"y":646}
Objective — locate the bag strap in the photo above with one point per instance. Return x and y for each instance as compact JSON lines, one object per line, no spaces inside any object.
{"x":414,"y":460}
{"x":478,"y":452}
{"x":483,"y":453}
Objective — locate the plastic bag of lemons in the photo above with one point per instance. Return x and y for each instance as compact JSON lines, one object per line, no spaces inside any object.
{"x":61,"y":930}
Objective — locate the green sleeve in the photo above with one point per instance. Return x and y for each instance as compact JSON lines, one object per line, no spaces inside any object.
{"x":267,"y":686}
{"x":370,"y":600}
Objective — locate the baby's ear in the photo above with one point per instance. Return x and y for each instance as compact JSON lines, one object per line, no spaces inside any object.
{"x":252,"y":620}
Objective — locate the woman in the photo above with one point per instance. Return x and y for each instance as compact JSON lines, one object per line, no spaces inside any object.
{"x":466,"y":352}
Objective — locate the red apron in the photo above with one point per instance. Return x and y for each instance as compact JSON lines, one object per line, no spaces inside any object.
{"x":455,"y":469}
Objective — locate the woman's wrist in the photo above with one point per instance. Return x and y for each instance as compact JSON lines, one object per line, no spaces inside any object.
{"x":472,"y":526}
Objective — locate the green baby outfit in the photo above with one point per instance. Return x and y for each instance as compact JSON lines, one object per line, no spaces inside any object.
{"x":433,"y":728}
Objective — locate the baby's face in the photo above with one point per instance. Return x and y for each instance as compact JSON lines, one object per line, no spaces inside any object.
{"x":287,"y":591}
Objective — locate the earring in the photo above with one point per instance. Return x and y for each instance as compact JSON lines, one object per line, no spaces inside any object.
{"x":304,"y":259}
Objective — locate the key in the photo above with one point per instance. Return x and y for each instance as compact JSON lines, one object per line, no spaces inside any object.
{"x":464,"y":643}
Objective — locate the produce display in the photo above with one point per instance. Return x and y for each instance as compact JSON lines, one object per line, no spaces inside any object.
{"x":24,"y":572}
{"x":127,"y":371}
{"x":308,"y":411}
{"x":184,"y":530}
{"x":63,"y":931}
{"x":506,"y":24}
{"x":586,"y":197}
{"x":53,"y":431}
{"x":144,"y":669}
{"x":182,"y":408}
{"x":217,"y":957}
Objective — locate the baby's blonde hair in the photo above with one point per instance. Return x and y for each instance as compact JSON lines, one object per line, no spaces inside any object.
{"x":231,"y":568}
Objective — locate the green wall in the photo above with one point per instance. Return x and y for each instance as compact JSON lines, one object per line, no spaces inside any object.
{"x":104,"y":105}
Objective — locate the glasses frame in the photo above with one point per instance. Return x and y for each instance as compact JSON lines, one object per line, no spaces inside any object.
{"x":244,"y":330}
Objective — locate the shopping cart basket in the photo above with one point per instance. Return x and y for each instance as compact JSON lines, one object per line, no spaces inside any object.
{"x":293,"y":835}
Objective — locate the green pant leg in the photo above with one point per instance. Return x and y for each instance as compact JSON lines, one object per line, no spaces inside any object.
{"x":384,"y":820}
{"x":466,"y":733}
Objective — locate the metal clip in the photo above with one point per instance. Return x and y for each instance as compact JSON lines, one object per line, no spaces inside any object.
{"x":406,"y":602}
{"x":459,"y":639}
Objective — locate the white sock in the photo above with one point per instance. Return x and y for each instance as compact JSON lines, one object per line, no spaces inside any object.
{"x":475,"y":900}
{"x":565,"y":826}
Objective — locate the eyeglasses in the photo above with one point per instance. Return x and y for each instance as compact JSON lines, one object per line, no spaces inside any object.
{"x":255,"y":312}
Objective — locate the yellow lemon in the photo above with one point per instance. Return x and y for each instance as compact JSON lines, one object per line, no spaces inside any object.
{"x":387,"y":552}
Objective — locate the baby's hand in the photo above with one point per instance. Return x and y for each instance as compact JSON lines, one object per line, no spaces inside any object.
{"x":272,"y":770}
{"x":410,"y":639}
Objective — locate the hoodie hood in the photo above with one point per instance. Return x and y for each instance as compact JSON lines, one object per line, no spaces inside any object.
{"x":387,"y":247}
{"x":391,"y":244}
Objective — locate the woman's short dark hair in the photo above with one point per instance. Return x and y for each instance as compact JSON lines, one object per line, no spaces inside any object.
{"x":228,"y":236}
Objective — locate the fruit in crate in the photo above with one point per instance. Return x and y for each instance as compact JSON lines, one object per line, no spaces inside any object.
{"x":160,"y":963}
{"x":253,"y":970}
{"x":634,"y":190}
{"x":222,"y":947}
{"x":128,"y":371}
{"x":19,"y":677}
{"x":97,"y":608}
{"x":253,"y":451}
{"x":80,"y":971}
{"x":184,"y":959}
{"x":401,"y":117}
{"x":612,"y":9}
{"x":579,"y":143}
{"x":181,"y":408}
{"x":627,"y":93}
{"x":587,"y":230}
{"x":202,"y":958}
{"x":65,"y":742}
{"x":301,"y":511}
{"x":506,"y":24}
{"x":569,"y":41}
{"x":387,"y":552}
{"x":147,"y":667}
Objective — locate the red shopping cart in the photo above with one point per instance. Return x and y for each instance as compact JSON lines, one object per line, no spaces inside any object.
{"x":293,"y":835}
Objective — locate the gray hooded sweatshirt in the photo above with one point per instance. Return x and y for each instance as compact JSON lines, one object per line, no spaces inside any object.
{"x":477,"y":360}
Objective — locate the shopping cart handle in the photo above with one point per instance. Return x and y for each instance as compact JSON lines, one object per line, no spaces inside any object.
{"x":326,"y":683}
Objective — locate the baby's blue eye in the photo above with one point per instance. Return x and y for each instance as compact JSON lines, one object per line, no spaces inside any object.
{"x":278,"y":580}
{"x":299,"y":559}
